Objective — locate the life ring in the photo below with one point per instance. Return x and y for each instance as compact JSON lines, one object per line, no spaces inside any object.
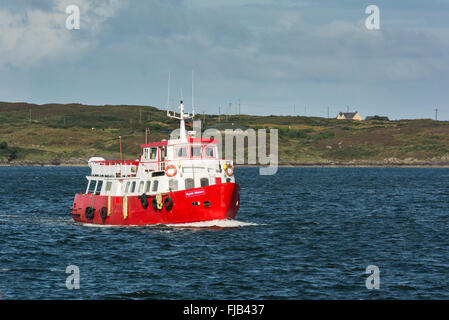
{"x":229,"y":170}
{"x":103,"y":213}
{"x":144,"y":201}
{"x":168,"y":203}
{"x":167,"y":169}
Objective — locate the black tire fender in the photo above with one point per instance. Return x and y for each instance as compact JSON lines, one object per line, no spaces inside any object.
{"x":154,"y":203}
{"x":104,"y":213}
{"x":168,"y":203}
{"x":89,"y":213}
{"x":144,"y":201}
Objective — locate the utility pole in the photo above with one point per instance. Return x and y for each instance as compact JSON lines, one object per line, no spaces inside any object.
{"x":347,"y":108}
{"x":436,"y":114}
{"x":120,"y":140}
{"x":147,"y":135}
{"x":328,"y":112}
{"x":305,"y":111}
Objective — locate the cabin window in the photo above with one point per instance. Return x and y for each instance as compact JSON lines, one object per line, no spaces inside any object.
{"x":190,"y":184}
{"x":88,"y":186}
{"x":133,"y":187}
{"x":181,"y":152}
{"x":210,"y":152}
{"x":100,"y":184}
{"x":108,"y":186}
{"x":91,"y":186}
{"x":173,"y":184}
{"x":196,"y":152}
{"x":155,"y":185}
{"x":204,"y":182}
{"x":153,"y":153}
{"x":147,"y":188}
{"x":141,"y":186}
{"x":127,"y":187}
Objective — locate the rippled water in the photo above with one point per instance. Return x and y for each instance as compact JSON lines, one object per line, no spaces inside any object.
{"x":305,"y":233}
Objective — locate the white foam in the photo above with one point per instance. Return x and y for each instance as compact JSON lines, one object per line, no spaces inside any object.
{"x":97,"y":225}
{"x":201,"y":224}
{"x":214,"y":223}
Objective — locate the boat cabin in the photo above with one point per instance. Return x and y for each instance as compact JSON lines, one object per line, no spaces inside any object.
{"x":164,"y":166}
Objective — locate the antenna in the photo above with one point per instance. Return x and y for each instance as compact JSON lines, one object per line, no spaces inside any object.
{"x":182,"y":116}
{"x":168,"y":93}
{"x":193,"y":105}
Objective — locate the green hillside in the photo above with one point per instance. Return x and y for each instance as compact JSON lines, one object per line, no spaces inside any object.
{"x":71,"y":133}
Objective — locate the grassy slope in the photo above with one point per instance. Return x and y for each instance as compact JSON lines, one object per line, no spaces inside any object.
{"x":63,"y":134}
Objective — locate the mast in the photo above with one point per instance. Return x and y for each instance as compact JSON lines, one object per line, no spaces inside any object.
{"x":182,"y":126}
{"x":182,"y":116}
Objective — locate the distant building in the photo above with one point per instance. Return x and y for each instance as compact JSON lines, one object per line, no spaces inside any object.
{"x":380,"y":118}
{"x":349,"y":116}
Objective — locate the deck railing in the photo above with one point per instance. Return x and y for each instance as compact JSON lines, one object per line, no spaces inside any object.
{"x":133,"y":168}
{"x":114,"y":168}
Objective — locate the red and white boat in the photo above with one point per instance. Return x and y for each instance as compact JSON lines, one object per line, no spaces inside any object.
{"x":173,"y":181}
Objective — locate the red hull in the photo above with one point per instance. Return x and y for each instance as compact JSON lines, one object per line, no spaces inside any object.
{"x":216,"y":202}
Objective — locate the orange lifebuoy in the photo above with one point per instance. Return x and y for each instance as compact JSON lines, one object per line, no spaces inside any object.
{"x":229,"y":170}
{"x":167,"y":169}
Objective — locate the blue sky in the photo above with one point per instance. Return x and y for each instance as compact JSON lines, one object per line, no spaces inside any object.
{"x":270,"y":55}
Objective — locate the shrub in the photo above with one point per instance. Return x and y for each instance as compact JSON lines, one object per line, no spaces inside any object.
{"x":324,"y":135}
{"x":13,"y":154}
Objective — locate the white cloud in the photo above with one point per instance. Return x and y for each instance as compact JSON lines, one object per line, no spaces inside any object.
{"x":278,"y":43}
{"x":34,"y":35}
